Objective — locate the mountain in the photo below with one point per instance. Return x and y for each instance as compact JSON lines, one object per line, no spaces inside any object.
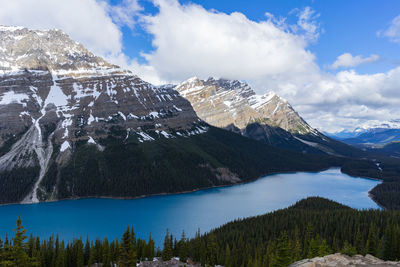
{"x":391,"y":149}
{"x":233,"y":105}
{"x":225,"y":102}
{"x":373,"y":132}
{"x":374,"y":136}
{"x":73,"y":125}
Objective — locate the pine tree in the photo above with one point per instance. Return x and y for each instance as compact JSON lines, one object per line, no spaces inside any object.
{"x":283,"y":255}
{"x":19,"y":255}
{"x":60,"y":259}
{"x":92,"y":255}
{"x":106,"y":257}
{"x":196,"y":246}
{"x":324,"y":248}
{"x":313,"y":248}
{"x":183,"y":248}
{"x":87,"y":250}
{"x":127,"y":257}
{"x":372,"y":246}
{"x":359,"y":242}
{"x":212,"y":249}
{"x":6,"y":255}
{"x":150,"y":249}
{"x":297,"y":245}
{"x":348,"y":249}
{"x":167,"y":252}
{"x":389,"y":244}
{"x":227,"y":262}
{"x":79,"y":253}
{"x":307,"y":239}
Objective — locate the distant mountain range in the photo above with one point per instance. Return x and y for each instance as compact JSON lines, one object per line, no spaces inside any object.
{"x":384,"y":139}
{"x":372,"y":133}
{"x":73,"y":125}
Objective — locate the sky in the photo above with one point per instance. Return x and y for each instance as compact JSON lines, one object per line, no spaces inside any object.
{"x":337,"y":62}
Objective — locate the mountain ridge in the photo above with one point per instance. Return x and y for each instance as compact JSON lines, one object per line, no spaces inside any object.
{"x":235,"y":102}
{"x":72,"y":125}
{"x":233,"y":105}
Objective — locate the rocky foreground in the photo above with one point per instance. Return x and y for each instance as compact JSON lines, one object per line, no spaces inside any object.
{"x":344,"y":260}
{"x":174,"y":262}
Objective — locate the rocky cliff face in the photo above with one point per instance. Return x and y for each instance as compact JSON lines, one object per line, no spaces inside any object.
{"x":224,"y":102}
{"x":54,"y":94}
{"x":268,"y":118}
{"x":22,"y":48}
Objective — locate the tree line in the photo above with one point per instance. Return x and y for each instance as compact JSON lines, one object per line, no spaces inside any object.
{"x":310,"y":228}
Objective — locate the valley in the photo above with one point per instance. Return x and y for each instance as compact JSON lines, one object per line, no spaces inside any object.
{"x":75,"y":126}
{"x":204,"y":209}
{"x":88,"y":148}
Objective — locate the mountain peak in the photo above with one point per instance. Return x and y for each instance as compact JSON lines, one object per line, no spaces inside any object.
{"x":223,"y":102}
{"x":10,"y":28}
{"x":53,"y":50}
{"x":57,"y":96}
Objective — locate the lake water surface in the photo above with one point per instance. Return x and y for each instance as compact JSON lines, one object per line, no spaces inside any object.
{"x":204,"y":209}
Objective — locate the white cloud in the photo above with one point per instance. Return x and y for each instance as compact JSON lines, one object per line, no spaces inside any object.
{"x":125,"y":13}
{"x":348,"y":60}
{"x":393,"y":31}
{"x":189,"y":40}
{"x":347,"y":99}
{"x":87,"y":21}
{"x":307,"y":23}
{"x":272,"y":55}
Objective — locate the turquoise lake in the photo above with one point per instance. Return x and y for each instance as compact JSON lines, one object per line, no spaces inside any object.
{"x":204,"y":209}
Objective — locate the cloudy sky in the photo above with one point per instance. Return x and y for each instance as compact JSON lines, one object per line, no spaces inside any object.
{"x":337,"y":62}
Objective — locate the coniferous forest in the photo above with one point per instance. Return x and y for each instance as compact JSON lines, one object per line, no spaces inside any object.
{"x":312,"y":227}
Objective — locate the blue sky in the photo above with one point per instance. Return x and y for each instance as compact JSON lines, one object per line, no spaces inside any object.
{"x":337,"y":62}
{"x":348,"y":26}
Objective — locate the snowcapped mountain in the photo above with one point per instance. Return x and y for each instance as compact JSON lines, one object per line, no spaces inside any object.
{"x":223,"y":102}
{"x":54,"y":93}
{"x":73,"y":125}
{"x":22,"y":48}
{"x":371,"y":133}
{"x":392,"y":124}
{"x":233,"y":105}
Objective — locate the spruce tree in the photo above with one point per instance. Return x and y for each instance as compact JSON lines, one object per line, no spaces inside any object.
{"x":87,"y":250}
{"x":127,"y":255}
{"x":19,"y":255}
{"x":150,"y":249}
{"x":283,"y":254}
{"x":372,"y":243}
{"x":183,"y":248}
{"x":324,"y":248}
{"x":227,"y":262}
{"x":212,"y":249}
{"x":359,"y":242}
{"x":167,"y":252}
{"x":106,"y":257}
{"x":348,"y":249}
{"x":79,"y":253}
{"x":314,"y":247}
{"x":389,"y":244}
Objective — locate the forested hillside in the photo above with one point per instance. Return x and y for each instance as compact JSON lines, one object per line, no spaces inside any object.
{"x":312,"y":227}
